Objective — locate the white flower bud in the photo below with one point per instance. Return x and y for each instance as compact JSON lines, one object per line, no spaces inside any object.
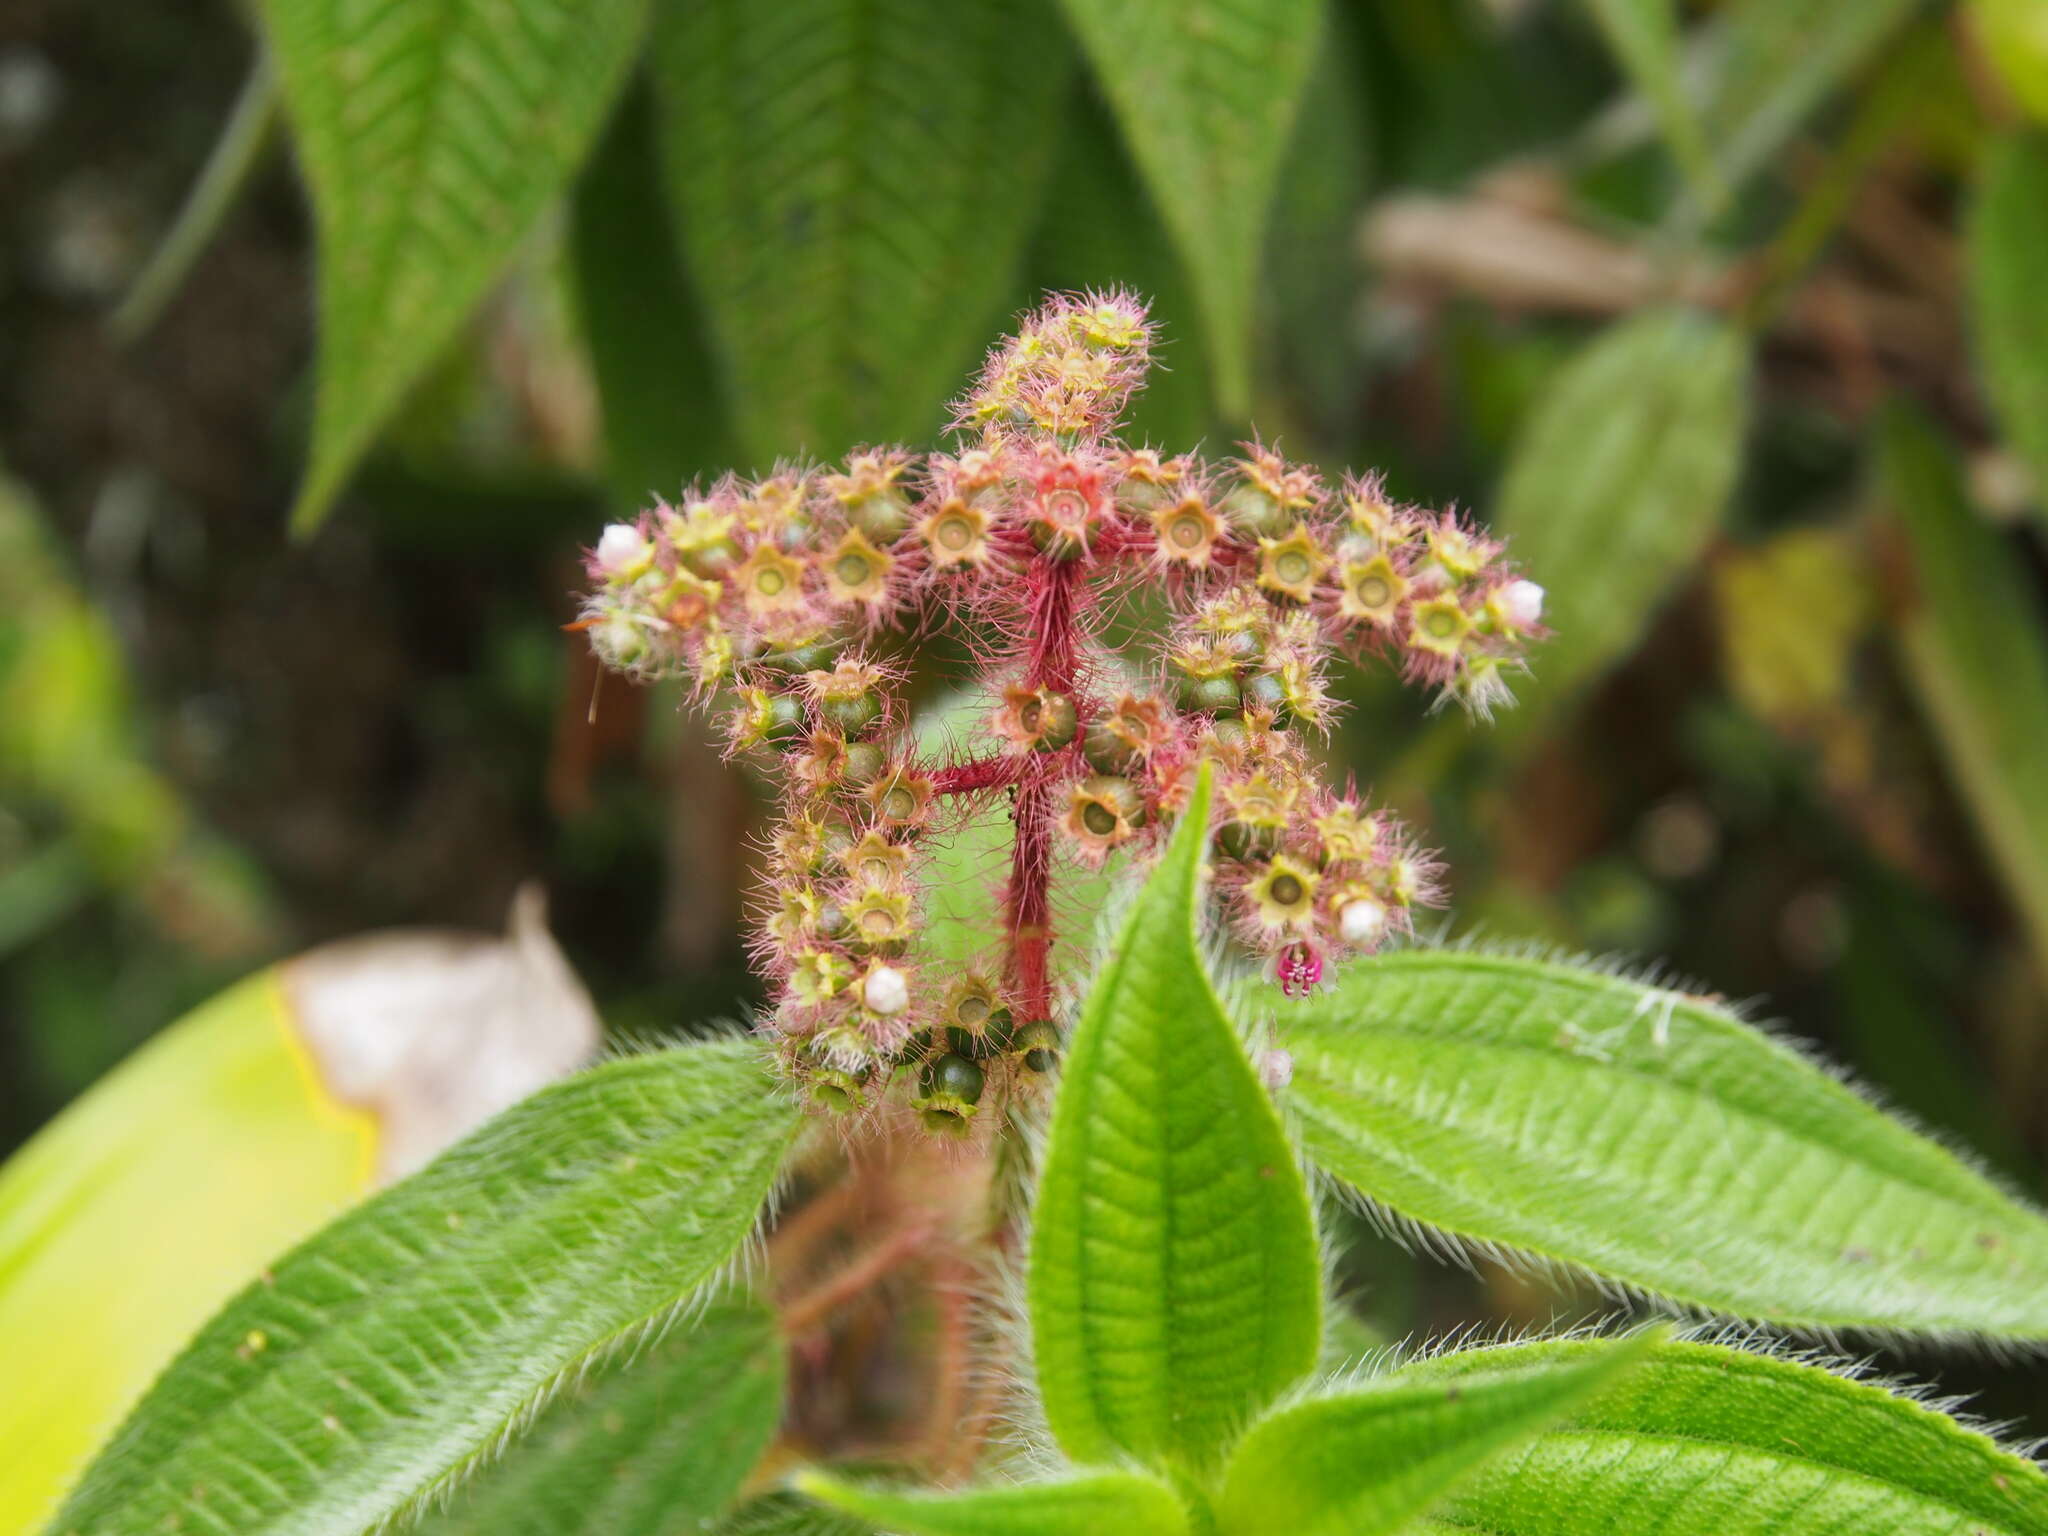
{"x":1276,"y":1068}
{"x":1361,"y":921}
{"x":886,"y":991}
{"x":620,"y":548}
{"x":1522,"y":602}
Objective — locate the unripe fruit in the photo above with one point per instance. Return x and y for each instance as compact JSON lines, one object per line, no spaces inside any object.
{"x":1040,"y":1043}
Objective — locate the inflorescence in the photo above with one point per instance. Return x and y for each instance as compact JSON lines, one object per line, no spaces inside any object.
{"x":778,"y":596}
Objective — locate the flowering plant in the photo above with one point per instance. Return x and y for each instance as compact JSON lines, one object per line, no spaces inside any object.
{"x":556,"y":1287}
{"x":1031,"y":537}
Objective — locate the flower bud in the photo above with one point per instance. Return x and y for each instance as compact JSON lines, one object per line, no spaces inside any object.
{"x":885,"y":991}
{"x":1521,"y":604}
{"x":1361,"y":921}
{"x":621,"y":550}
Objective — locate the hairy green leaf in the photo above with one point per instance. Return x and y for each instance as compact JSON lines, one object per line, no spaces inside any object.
{"x":1174,"y":1282}
{"x":1702,"y":1440}
{"x":1778,"y":61}
{"x":1619,"y":479}
{"x":1652,"y":1138}
{"x":433,"y":133}
{"x":2007,"y":232}
{"x":1977,"y":657}
{"x":1644,"y":36}
{"x":785,"y":1513}
{"x":663,"y":419}
{"x":654,"y":1445}
{"x":388,"y":1356}
{"x":855,"y":181}
{"x":1206,"y":92}
{"x":1364,"y":1463}
{"x":1084,"y":1506}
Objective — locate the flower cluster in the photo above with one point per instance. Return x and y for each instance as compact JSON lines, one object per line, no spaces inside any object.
{"x":781,"y":595}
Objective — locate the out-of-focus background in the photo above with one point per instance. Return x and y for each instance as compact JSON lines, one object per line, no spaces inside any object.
{"x":1734,"y":316}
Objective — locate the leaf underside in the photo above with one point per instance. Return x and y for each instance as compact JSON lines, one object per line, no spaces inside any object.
{"x":1174,"y":1282}
{"x":1703,"y":1440}
{"x":376,"y":1364}
{"x":651,"y":1445}
{"x":1654,"y":1139}
{"x":854,"y":181}
{"x":432,"y":133}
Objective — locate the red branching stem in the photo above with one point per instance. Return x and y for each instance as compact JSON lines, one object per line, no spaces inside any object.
{"x":972,"y":777}
{"x":1051,"y":661}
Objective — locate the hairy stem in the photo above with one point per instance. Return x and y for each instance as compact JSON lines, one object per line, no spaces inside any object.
{"x":1051,"y":661}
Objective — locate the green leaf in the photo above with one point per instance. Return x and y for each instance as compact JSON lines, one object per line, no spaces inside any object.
{"x":1977,"y":658}
{"x":1777,"y":62}
{"x":784,"y":1513}
{"x":1618,"y":481}
{"x":1174,"y":1283}
{"x":1084,"y":1506}
{"x":1366,"y":1462}
{"x":433,"y":133}
{"x":1652,"y":1138}
{"x":654,"y":1446}
{"x":663,"y":419}
{"x":2014,"y":34}
{"x":1206,"y":92}
{"x":855,"y":181}
{"x":1701,"y":1440}
{"x":2006,"y":233}
{"x":1644,"y":37}
{"x":383,"y":1360}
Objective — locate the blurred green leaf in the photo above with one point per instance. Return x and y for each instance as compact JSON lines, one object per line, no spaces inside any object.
{"x":433,"y":133}
{"x":376,"y":1365}
{"x":654,"y":1445}
{"x":1084,"y":1506}
{"x":1654,"y":1139}
{"x":1618,"y":480}
{"x":1703,"y":1438}
{"x":784,"y":1513}
{"x":1206,"y":92}
{"x":1977,"y":658}
{"x":1101,"y":231}
{"x":855,"y":184}
{"x":1366,"y":1462}
{"x":1777,"y":61}
{"x":1644,"y":36}
{"x":2007,"y":232}
{"x":141,"y":1208}
{"x":2015,"y":37}
{"x":664,"y":421}
{"x":1174,"y":1282}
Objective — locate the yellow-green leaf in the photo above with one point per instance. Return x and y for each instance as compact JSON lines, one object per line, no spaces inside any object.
{"x":2007,"y":232}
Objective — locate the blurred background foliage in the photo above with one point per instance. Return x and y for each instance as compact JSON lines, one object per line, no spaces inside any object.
{"x":1732,"y":314}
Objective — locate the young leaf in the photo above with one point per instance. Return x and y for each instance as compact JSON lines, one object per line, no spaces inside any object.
{"x":855,"y":183}
{"x":1619,"y":479}
{"x":1206,"y":92}
{"x":2007,"y":231}
{"x":1174,"y":1281}
{"x":1085,"y":1506}
{"x":385,"y":1358}
{"x":1366,"y":1462}
{"x":1652,"y":1138}
{"x":432,"y":133}
{"x":1710,"y":1441}
{"x":1977,"y":657}
{"x":654,"y":1446}
{"x":1644,"y":36}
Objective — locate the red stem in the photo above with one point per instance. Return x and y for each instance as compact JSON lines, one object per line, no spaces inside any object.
{"x":1051,"y":661}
